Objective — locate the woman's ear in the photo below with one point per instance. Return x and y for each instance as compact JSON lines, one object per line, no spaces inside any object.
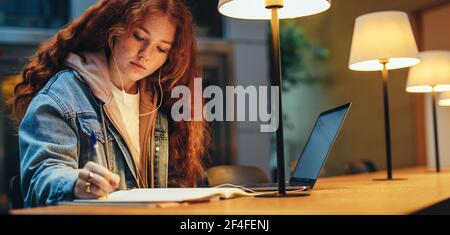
{"x":112,"y":42}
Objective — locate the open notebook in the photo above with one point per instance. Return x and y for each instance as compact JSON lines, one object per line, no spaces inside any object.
{"x":156,"y":195}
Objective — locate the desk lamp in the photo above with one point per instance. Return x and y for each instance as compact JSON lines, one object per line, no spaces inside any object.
{"x":383,"y":41}
{"x":274,"y":10}
{"x":432,"y":75}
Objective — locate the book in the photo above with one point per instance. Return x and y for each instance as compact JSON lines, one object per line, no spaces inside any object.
{"x":158,"y":195}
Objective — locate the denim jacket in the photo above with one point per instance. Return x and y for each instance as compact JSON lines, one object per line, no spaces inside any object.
{"x":54,"y":142}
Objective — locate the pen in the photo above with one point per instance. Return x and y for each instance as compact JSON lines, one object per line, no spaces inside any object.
{"x":95,"y":152}
{"x":94,"y":147}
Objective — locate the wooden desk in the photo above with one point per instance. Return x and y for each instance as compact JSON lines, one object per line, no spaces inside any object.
{"x":355,"y":194}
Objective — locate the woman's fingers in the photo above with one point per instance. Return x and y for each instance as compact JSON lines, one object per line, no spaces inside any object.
{"x":96,"y":179}
{"x":111,"y":178}
{"x":115,"y":180}
{"x":83,"y":192}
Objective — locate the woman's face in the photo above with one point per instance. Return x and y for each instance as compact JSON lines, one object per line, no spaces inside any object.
{"x":145,"y":48}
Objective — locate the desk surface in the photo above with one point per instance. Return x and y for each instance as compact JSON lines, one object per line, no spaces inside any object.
{"x":354,"y":194}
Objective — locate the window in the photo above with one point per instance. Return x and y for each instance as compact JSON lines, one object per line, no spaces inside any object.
{"x":34,"y":13}
{"x":208,"y":20}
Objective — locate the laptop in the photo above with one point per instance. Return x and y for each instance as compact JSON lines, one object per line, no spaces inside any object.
{"x":315,"y":152}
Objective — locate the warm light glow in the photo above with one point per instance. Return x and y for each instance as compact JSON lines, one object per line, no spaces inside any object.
{"x":375,"y":65}
{"x":383,"y":35}
{"x":419,"y":89}
{"x":442,"y":88}
{"x":444,"y":98}
{"x":445,"y":102}
{"x":433,"y":72}
{"x":256,"y":10}
{"x":7,"y":85}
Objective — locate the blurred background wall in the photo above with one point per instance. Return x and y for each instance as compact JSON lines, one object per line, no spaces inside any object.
{"x":362,"y":136}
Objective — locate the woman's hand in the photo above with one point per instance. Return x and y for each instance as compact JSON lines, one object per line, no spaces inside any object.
{"x":95,"y":181}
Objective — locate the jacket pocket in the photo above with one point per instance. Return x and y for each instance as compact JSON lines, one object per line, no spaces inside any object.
{"x":89,"y":124}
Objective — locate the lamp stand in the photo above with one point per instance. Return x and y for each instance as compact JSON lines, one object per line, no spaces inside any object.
{"x":436,"y":143}
{"x":275,"y":23}
{"x":387,"y":123}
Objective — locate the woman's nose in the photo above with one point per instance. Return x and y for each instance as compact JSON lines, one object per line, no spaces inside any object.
{"x":146,"y":52}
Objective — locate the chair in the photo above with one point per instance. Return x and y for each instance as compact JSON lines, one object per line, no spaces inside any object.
{"x":361,"y":166}
{"x":15,"y":193}
{"x":237,"y":175}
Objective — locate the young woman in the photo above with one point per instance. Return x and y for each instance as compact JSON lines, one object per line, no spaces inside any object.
{"x":106,"y":78}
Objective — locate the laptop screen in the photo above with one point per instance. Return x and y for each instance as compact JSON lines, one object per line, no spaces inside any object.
{"x":319,"y":143}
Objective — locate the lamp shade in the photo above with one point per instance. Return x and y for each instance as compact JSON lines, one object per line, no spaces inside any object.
{"x":256,"y":9}
{"x":385,"y":35}
{"x":432,"y":74}
{"x":444,"y":99}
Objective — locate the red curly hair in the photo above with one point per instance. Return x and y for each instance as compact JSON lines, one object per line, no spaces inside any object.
{"x":94,"y":31}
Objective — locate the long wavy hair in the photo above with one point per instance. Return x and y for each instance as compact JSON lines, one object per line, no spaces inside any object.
{"x":95,"y":30}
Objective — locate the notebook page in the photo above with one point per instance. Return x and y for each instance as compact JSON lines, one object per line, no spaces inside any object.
{"x":170,"y":195}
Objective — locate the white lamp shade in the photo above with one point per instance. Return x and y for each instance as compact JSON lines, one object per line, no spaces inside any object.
{"x":444,"y":98}
{"x":385,"y":35}
{"x":431,"y":74}
{"x":256,"y":10}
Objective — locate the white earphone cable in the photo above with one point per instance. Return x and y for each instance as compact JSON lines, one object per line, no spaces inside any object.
{"x":160,"y":99}
{"x":121,"y":81}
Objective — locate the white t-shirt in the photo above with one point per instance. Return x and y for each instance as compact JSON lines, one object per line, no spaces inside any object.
{"x":129,"y":110}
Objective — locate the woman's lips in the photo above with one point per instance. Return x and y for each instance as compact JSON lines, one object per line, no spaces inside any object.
{"x":139,"y":66}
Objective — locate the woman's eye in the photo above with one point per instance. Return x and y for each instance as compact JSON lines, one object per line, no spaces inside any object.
{"x":136,"y":36}
{"x":161,"y":50}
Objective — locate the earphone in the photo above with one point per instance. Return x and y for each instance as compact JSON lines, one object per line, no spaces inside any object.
{"x":123,"y":89}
